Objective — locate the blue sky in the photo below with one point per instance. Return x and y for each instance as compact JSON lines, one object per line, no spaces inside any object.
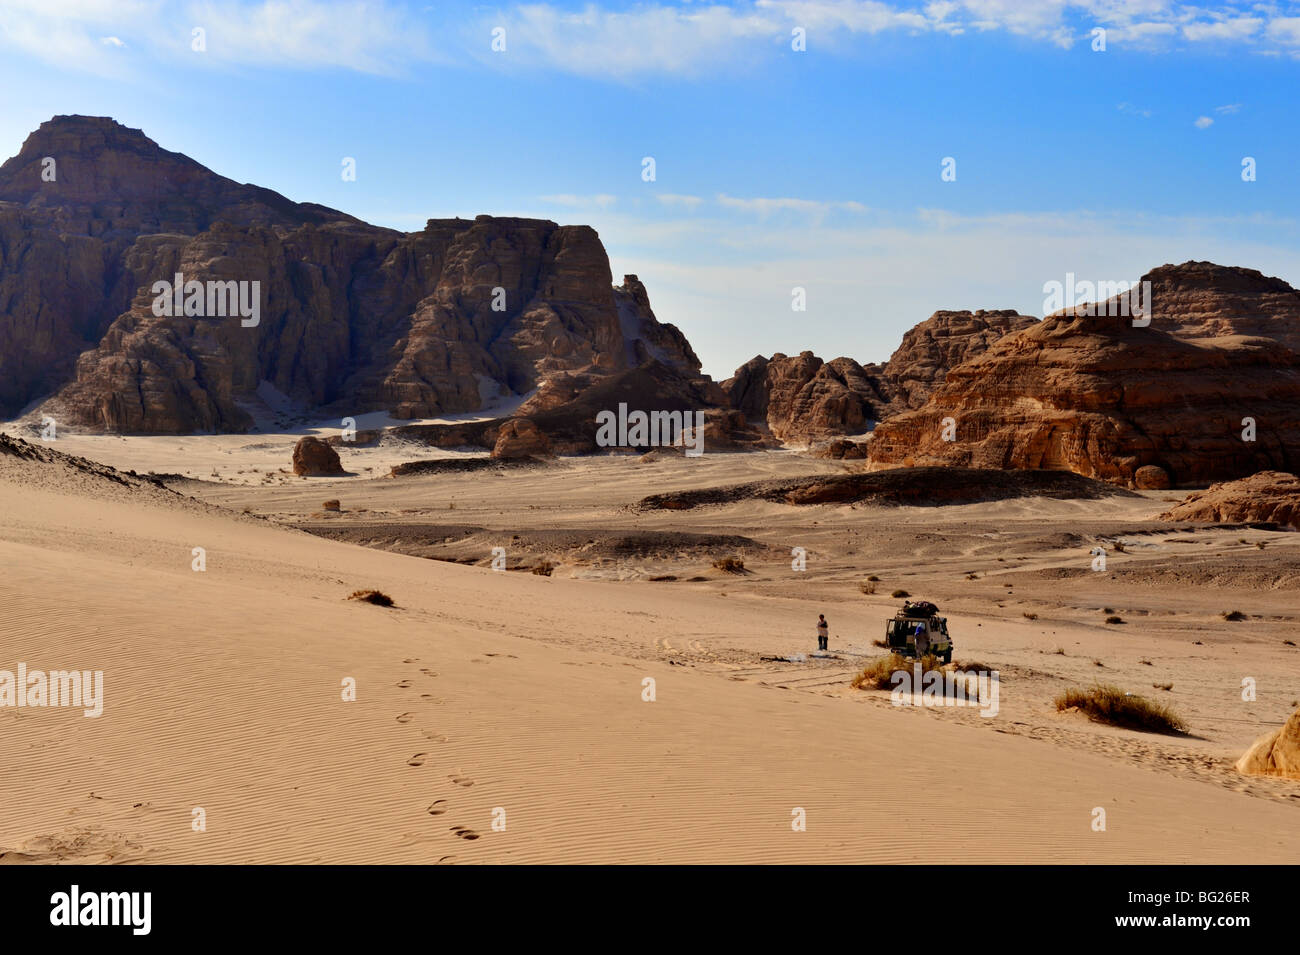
{"x":775,"y":168}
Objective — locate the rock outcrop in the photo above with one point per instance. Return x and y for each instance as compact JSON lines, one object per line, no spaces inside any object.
{"x":1266,"y":497}
{"x":350,"y":317}
{"x":1275,"y":754}
{"x":1201,"y":300}
{"x":941,"y":342}
{"x":803,"y":398}
{"x":313,"y":457}
{"x":519,"y":439}
{"x":1094,"y":394}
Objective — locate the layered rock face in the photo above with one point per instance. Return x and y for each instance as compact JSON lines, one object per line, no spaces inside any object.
{"x":803,"y":398}
{"x":1201,"y":300}
{"x":351,"y":317}
{"x":1266,"y":497}
{"x":943,"y":341}
{"x":1095,"y":395}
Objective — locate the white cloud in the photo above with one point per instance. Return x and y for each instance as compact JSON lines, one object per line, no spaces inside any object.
{"x":1235,"y":28}
{"x":765,"y":207}
{"x":1131,"y":110}
{"x":604,"y":40}
{"x":1228,"y":110}
{"x":673,"y":199}
{"x":1203,"y":122}
{"x":377,"y":37}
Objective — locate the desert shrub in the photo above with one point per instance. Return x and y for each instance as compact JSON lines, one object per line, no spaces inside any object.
{"x":332,"y":506}
{"x":900,"y":593}
{"x":1030,"y":616}
{"x":883,"y":644}
{"x":543,"y":568}
{"x":873,"y":578}
{"x":376,"y":597}
{"x":1113,"y":619}
{"x":876,"y":674}
{"x":1111,"y":705}
{"x":1163,"y":686}
{"x":1233,"y":615}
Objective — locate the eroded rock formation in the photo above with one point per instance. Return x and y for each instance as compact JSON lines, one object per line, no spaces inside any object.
{"x":1097,"y":395}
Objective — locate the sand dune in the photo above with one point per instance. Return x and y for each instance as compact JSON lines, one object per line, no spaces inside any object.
{"x":484,"y":691}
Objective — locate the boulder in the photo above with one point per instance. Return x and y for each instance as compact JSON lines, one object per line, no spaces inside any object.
{"x":313,"y":457}
{"x":520,"y":438}
{"x":1151,"y":477}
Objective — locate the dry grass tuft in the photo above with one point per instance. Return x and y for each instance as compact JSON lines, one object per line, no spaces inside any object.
{"x":1111,"y":705}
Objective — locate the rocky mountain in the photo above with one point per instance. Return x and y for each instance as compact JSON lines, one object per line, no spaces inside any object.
{"x":350,"y":317}
{"x":1207,"y":391}
{"x":803,"y":398}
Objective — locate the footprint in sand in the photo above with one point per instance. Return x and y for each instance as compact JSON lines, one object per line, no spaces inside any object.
{"x":438,"y":808}
{"x":411,"y":660}
{"x":403,"y":684}
{"x":427,"y":672}
{"x":464,"y":833}
{"x":405,"y":717}
{"x":433,"y":735}
{"x":432,"y":699}
{"x":446,"y":860}
{"x":417,"y":760}
{"x":461,"y":780}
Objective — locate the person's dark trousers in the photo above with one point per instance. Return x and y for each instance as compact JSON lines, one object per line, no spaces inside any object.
{"x":821,"y":643}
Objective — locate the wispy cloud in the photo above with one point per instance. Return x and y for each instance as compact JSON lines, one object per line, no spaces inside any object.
{"x":600,"y":200}
{"x":1203,"y":122}
{"x":765,"y":207}
{"x":673,"y":199}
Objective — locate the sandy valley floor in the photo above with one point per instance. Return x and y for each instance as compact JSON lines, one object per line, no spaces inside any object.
{"x":485,"y":696}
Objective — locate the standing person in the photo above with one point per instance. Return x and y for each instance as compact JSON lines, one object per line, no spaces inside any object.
{"x":823,"y":631}
{"x":922,"y":641}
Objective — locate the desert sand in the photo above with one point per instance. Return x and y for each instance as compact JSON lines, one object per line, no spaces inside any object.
{"x":487,"y":695}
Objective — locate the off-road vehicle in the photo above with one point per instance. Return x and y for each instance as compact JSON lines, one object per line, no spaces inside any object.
{"x":922,"y":616}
